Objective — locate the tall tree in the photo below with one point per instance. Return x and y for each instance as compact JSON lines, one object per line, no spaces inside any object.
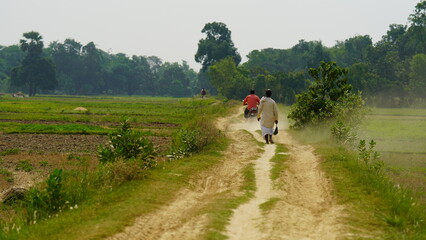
{"x":92,"y":78}
{"x":36,"y":71}
{"x":229,"y":80}
{"x":418,"y":25}
{"x":417,"y":84}
{"x":69,"y":64}
{"x":216,"y":46}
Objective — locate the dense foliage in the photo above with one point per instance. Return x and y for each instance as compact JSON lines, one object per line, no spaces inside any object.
{"x":329,"y":97}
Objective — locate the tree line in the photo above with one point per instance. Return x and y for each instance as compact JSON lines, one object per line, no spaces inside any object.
{"x":73,"y":68}
{"x":390,"y":72}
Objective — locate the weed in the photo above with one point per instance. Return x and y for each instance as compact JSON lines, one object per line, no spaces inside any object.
{"x":127,"y":144}
{"x":44,"y":163}
{"x":7,"y":174}
{"x":24,"y":165}
{"x":10,"y":152}
{"x":73,"y":156}
{"x":369,"y":156}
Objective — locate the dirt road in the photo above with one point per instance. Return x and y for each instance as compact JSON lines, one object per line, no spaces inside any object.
{"x":304,"y":207}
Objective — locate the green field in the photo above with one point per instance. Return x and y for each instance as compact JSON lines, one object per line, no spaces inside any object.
{"x":43,"y":133}
{"x":401,"y":140}
{"x":53,"y":114}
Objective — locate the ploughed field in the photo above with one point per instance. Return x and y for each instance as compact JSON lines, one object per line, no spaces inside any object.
{"x":401,"y":141}
{"x":41,"y":133}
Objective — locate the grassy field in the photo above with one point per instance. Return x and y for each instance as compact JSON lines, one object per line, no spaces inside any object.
{"x":401,"y":140}
{"x":43,"y":133}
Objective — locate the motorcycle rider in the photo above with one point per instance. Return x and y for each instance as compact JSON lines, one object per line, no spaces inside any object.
{"x":252,"y":101}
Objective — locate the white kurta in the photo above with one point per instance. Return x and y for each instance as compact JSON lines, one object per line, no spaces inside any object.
{"x":268,"y":112}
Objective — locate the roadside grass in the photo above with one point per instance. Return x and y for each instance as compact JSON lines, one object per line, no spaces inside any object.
{"x":108,"y":212}
{"x":268,"y":205}
{"x":377,"y":208}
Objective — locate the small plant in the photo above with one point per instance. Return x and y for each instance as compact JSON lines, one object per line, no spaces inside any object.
{"x":127,"y":144}
{"x":24,"y":165}
{"x":54,"y":190}
{"x":342,"y":133}
{"x":8,"y":175}
{"x":369,"y":156}
{"x":39,"y":204}
{"x":72,"y":156}
{"x":44,"y":163}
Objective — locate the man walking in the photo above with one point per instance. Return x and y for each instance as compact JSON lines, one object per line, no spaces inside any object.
{"x":267,"y":115}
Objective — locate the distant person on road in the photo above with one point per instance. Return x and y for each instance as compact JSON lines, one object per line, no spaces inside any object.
{"x":203,"y":93}
{"x":267,"y":115}
{"x":252,"y":101}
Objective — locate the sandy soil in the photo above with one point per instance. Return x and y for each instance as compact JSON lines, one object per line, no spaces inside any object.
{"x":305,"y":208}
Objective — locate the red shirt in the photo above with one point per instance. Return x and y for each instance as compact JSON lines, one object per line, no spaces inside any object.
{"x":252,"y":101}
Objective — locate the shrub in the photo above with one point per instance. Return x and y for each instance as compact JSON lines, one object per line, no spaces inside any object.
{"x":369,"y":156}
{"x":193,"y":137}
{"x":330,"y":97}
{"x":127,"y":144}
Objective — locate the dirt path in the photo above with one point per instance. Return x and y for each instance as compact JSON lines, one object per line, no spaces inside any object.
{"x":304,"y":207}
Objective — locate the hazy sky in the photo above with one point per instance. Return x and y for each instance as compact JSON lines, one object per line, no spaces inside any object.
{"x":171,"y":29}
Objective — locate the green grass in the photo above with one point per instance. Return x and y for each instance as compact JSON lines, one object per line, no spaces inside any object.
{"x":108,"y":212}
{"x":279,"y":160}
{"x":165,"y":113}
{"x":401,"y":140}
{"x":107,"y":208}
{"x":10,"y":152}
{"x":269,"y":205}
{"x":52,"y":128}
{"x":24,"y":165}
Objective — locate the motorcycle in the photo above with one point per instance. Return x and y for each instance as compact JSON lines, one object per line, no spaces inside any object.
{"x":249,"y":113}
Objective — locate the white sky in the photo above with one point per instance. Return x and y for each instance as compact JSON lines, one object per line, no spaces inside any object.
{"x":171,"y":29}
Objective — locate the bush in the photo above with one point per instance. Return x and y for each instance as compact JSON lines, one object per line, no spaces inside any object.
{"x":127,"y":144}
{"x":192,"y":138}
{"x":330,"y":97}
